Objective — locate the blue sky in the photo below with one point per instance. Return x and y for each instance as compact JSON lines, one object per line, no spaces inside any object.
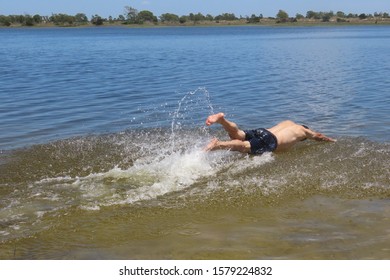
{"x":114,"y":8}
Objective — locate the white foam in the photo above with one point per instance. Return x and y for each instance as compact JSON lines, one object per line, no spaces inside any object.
{"x":40,"y":214}
{"x":4,"y":233}
{"x":250,"y":162}
{"x":90,"y":208}
{"x":173,"y":173}
{"x":159,"y":172}
{"x":148,"y":178}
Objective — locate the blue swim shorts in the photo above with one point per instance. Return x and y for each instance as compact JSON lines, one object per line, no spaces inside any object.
{"x":261,"y":141}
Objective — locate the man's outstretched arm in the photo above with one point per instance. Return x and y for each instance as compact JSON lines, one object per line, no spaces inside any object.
{"x":310,"y":134}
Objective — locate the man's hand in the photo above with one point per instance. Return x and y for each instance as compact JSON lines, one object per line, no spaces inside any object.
{"x":322,"y":137}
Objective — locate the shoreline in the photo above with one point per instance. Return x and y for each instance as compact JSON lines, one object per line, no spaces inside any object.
{"x":263,"y":23}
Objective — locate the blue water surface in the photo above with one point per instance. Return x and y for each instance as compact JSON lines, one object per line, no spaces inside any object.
{"x":62,"y":82}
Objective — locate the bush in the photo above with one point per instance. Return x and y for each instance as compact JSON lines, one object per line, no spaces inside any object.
{"x":5,"y":21}
{"x":97,"y":20}
{"x":169,"y":18}
{"x":29,"y":21}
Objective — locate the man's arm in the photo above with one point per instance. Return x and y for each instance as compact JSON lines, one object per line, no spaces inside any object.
{"x":310,"y":134}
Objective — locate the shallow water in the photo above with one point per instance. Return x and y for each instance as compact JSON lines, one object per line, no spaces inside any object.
{"x":105,"y":197}
{"x":108,"y":163}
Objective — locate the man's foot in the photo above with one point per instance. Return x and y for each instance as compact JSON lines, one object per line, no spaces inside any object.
{"x":211,"y":146}
{"x":214,"y":118}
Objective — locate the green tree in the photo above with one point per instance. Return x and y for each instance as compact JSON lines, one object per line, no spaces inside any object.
{"x":282,"y":16}
{"x":131,"y":15}
{"x":198,"y":17}
{"x":97,"y":20}
{"x":17,"y":19}
{"x":312,"y":14}
{"x":169,"y":18}
{"x":81,"y":18}
{"x":62,"y":19}
{"x":253,"y":19}
{"x":183,"y":19}
{"x":326,"y":18}
{"x":146,"y":16}
{"x":340,"y":14}
{"x":226,"y":16}
{"x":209,"y":17}
{"x":362,"y":16}
{"x":37,"y":19}
{"x":28,"y":20}
{"x":21,"y":19}
{"x":5,"y":20}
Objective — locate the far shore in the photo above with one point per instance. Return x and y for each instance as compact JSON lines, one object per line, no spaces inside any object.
{"x":263,"y":22}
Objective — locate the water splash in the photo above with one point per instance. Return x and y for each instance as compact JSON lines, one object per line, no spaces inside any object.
{"x":193,"y":108}
{"x":75,"y":173}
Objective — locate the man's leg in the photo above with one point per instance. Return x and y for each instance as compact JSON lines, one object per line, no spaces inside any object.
{"x":233,"y":145}
{"x":230,"y":127}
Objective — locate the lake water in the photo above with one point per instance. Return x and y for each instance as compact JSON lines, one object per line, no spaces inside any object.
{"x":102,"y":131}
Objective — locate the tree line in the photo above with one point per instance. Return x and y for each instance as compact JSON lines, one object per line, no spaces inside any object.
{"x":133,"y":16}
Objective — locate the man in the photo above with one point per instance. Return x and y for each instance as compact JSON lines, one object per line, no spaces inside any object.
{"x":258,"y":141}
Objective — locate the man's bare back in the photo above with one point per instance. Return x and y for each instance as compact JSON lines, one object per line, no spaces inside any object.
{"x":287,"y":133}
